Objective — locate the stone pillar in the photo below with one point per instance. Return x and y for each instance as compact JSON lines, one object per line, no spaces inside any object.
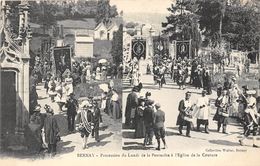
{"x":26,"y":91}
{"x":19,"y":100}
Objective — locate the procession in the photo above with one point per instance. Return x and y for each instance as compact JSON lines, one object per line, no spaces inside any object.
{"x":83,"y":79}
{"x":176,"y":93}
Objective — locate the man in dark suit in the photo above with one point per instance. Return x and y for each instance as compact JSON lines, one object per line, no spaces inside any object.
{"x":148,"y":123}
{"x":159,"y":130}
{"x":72,"y":106}
{"x":96,"y":117}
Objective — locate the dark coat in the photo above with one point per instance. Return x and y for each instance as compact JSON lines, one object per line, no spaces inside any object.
{"x":139,"y":123}
{"x":131,"y":105}
{"x":159,"y":119}
{"x":180,"y":119}
{"x":96,"y":115}
{"x":51,"y":129}
{"x":217,"y":117}
{"x":148,"y":116}
{"x":71,"y":106}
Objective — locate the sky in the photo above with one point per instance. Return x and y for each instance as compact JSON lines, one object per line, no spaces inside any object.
{"x":142,"y":6}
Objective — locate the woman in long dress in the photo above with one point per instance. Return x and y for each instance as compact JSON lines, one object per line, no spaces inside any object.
{"x":69,"y":84}
{"x":51,"y":130}
{"x":116,"y":110}
{"x":52,"y":88}
{"x":139,"y":121}
{"x":233,"y":100}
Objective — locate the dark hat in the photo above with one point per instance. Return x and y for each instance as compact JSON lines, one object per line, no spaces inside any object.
{"x":150,"y":102}
{"x":50,"y":110}
{"x":148,"y":94}
{"x":71,"y":94}
{"x":157,"y":105}
{"x":46,"y":106}
{"x":204,"y":91}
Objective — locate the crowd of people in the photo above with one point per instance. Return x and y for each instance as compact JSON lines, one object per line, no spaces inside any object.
{"x":182,"y":71}
{"x":146,"y":117}
{"x":84,"y":115}
{"x":232,"y":103}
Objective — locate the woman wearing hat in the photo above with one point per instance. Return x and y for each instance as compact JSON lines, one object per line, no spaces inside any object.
{"x":51,"y":130}
{"x":116,"y":109}
{"x":69,"y":83}
{"x":131,"y":106}
{"x":139,"y":120}
{"x":35,"y":141}
{"x":234,"y":95}
{"x":52,"y":87}
{"x":84,"y":122}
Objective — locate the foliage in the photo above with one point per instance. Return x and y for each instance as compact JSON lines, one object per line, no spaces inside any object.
{"x":131,"y":24}
{"x":117,"y":46}
{"x":105,"y":12}
{"x":210,"y":13}
{"x":14,"y":17}
{"x":182,"y":24}
{"x":241,"y":26}
{"x":43,"y":13}
{"x":236,"y":23}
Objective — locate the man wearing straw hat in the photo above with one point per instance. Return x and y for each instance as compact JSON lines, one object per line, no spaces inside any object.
{"x":84,"y":119}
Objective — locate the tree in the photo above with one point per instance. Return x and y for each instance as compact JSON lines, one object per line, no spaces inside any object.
{"x":43,"y":13}
{"x":211,"y":14}
{"x":241,"y":27}
{"x":14,"y":17}
{"x":182,"y":24}
{"x":117,"y":46}
{"x":105,"y":12}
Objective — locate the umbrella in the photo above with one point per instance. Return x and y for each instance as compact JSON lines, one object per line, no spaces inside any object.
{"x":102,"y":61}
{"x":104,"y":87}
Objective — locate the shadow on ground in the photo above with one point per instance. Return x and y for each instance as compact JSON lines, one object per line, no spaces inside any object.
{"x":224,"y":142}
